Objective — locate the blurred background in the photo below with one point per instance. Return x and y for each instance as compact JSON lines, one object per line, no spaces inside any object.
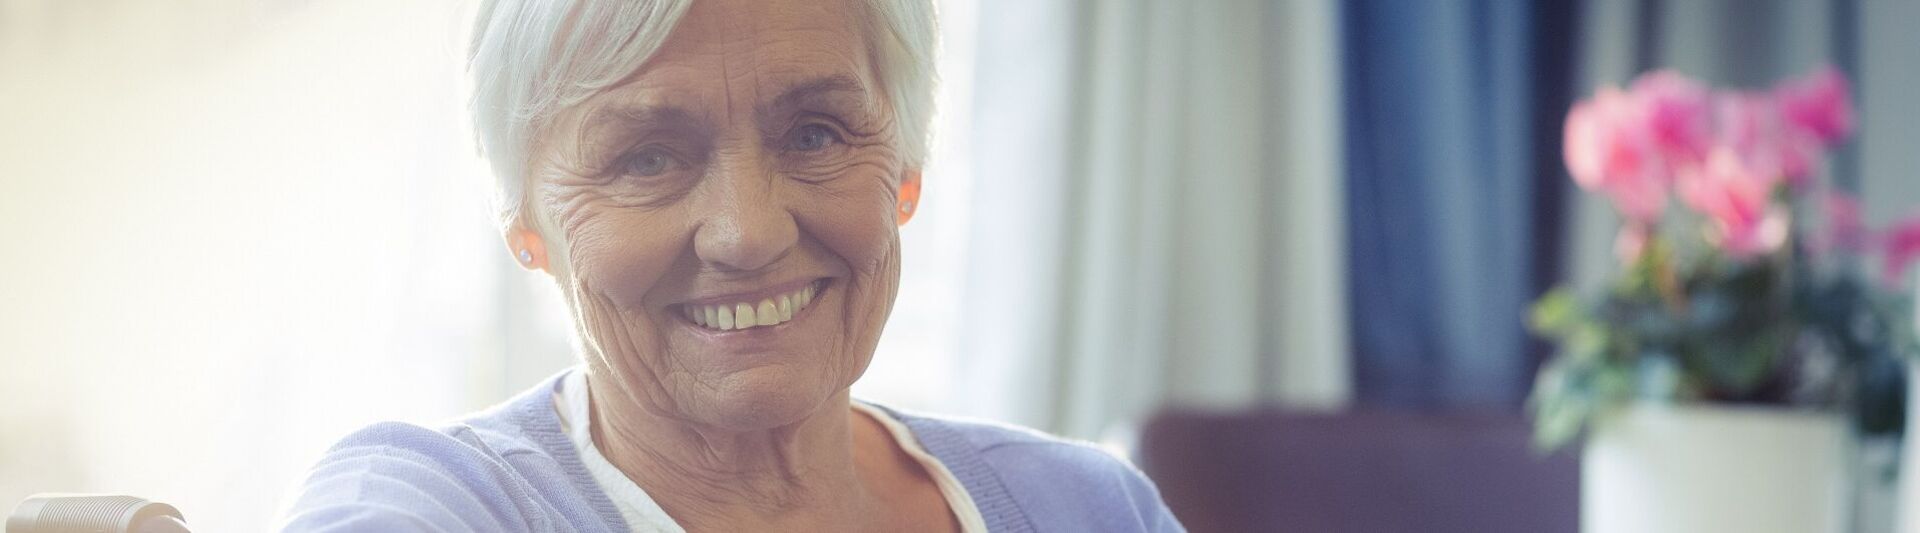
{"x":239,"y":229}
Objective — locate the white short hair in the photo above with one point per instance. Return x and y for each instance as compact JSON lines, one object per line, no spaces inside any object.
{"x":531,"y":59}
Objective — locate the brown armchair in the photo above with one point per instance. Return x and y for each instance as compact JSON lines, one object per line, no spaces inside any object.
{"x":1360,"y":472}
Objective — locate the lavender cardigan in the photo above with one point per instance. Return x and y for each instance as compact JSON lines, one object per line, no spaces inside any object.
{"x":511,"y":468}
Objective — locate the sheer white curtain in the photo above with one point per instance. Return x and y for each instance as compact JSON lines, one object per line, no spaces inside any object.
{"x":1156,"y":211}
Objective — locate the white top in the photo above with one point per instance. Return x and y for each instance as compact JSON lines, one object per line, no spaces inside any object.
{"x":643,"y":515}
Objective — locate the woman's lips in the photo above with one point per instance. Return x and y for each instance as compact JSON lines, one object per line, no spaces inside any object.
{"x":764,"y":312}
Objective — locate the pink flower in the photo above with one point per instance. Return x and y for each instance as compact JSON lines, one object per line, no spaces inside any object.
{"x":1610,"y":150}
{"x":1820,"y":105}
{"x":1632,"y":147}
{"x":1739,"y":203}
{"x":1903,"y":250}
{"x":1679,"y":115}
{"x":1751,"y":124}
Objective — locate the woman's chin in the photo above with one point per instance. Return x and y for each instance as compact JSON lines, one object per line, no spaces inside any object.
{"x":764,"y":398}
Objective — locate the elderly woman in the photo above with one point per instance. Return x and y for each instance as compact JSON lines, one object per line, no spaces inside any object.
{"x":716,"y":186}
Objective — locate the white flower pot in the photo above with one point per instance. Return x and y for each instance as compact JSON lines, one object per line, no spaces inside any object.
{"x":1707,"y":468}
{"x":1909,"y":505}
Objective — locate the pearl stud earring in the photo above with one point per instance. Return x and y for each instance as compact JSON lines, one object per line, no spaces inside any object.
{"x":526,"y":256}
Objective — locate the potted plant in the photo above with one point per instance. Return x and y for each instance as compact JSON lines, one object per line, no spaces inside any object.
{"x":1714,"y":373}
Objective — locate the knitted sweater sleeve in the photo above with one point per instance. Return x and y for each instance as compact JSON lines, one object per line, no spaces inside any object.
{"x":406,"y":478}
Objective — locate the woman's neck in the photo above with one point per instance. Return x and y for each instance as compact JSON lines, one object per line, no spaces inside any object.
{"x":795,"y":477}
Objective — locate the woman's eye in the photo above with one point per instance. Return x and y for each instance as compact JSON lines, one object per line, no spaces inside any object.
{"x":646,"y":163}
{"x":812,"y":137}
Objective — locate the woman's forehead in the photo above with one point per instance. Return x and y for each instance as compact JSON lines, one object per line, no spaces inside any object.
{"x":737,"y":22}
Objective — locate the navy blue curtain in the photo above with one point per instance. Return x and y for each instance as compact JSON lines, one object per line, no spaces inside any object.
{"x":1454,"y":195}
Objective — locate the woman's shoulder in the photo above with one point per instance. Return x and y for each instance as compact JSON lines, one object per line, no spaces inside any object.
{"x":488,"y":470}
{"x":495,"y":435}
{"x":1045,"y":477}
{"x":1014,"y":442}
{"x":1011,"y":444}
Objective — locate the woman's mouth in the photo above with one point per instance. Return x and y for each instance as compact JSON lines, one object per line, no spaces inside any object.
{"x":766,"y":312}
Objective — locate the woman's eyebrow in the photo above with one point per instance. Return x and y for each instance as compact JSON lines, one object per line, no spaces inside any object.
{"x":811,"y":92}
{"x":624,"y":118}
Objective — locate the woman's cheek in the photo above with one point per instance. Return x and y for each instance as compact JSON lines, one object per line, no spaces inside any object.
{"x":857,"y":220}
{"x":622,"y":255}
{"x":857,"y":225}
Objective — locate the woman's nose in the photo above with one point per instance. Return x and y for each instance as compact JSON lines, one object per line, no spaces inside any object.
{"x":745,"y":226}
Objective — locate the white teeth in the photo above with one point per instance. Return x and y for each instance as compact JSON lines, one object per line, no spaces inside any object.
{"x":743,"y":316}
{"x":767,"y":312}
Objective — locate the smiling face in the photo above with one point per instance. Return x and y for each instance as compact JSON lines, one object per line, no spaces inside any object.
{"x":723,"y":222}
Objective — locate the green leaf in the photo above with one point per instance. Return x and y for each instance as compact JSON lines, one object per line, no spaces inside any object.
{"x":1556,"y":313}
{"x":1560,"y":404}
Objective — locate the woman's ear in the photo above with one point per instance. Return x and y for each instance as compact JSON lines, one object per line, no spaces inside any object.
{"x":909,"y":195}
{"x":526,"y":246}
